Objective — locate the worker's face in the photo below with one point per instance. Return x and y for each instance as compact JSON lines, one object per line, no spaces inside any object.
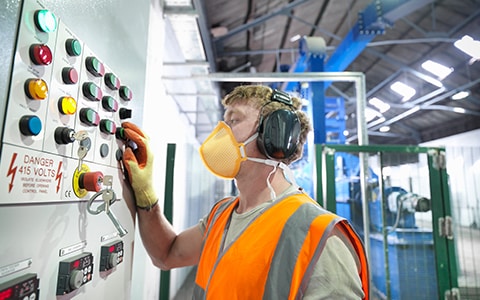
{"x":242,"y":119}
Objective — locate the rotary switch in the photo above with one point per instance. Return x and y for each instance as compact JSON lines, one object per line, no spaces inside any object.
{"x":74,"y":273}
{"x":111,"y":255}
{"x":64,"y":135}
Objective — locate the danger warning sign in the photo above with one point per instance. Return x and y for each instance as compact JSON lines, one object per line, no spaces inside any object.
{"x":30,"y":176}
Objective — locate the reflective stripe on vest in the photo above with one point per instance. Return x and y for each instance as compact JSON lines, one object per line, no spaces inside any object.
{"x":274,"y":256}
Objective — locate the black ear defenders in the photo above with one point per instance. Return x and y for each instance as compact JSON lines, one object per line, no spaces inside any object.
{"x":279,"y":131}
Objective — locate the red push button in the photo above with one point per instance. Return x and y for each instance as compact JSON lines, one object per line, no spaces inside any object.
{"x":92,"y":91}
{"x":69,"y":75}
{"x":36,"y":89}
{"x":94,"y":66}
{"x":89,"y":117}
{"x":41,"y":54}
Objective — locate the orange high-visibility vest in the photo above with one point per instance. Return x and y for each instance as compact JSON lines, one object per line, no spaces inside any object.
{"x":274,"y":257}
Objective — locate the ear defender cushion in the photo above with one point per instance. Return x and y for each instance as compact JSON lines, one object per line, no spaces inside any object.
{"x":278,"y":134}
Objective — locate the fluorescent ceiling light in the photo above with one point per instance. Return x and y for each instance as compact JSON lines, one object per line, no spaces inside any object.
{"x":371,"y":114}
{"x":470,"y":46}
{"x":461,"y":95}
{"x":459,"y":110}
{"x":384,"y":129}
{"x":382,"y":106}
{"x":403,"y":90}
{"x":437,"y":69}
{"x":295,"y":38}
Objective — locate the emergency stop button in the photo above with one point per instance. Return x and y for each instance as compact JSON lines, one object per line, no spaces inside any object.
{"x":41,"y":54}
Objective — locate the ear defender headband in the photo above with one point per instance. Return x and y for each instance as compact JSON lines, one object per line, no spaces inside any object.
{"x":279,"y":131}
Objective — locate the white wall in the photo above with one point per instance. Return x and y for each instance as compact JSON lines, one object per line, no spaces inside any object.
{"x":164,"y":125}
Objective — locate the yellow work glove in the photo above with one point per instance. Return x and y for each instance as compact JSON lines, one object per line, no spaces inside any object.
{"x":139,"y":166}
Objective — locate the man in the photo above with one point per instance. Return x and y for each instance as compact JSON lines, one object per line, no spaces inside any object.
{"x":271,"y":241}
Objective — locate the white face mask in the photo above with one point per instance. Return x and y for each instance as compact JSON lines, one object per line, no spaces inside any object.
{"x":222,"y":155}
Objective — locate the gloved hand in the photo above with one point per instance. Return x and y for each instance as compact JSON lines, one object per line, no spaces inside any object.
{"x":139,"y":166}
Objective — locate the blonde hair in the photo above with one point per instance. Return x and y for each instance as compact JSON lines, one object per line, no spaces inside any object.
{"x":259,"y":97}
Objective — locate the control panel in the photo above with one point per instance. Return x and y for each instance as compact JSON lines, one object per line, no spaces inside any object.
{"x":74,"y":272}
{"x":62,"y":185}
{"x":24,"y":287}
{"x":111,"y":255}
{"x":64,"y":112}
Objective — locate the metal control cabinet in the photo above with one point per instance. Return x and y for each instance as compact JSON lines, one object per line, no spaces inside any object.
{"x":60,"y":143}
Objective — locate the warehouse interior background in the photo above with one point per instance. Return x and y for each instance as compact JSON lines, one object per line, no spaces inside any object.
{"x":180,"y":57}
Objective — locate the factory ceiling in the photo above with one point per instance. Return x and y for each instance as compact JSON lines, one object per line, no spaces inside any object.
{"x":386,"y":40}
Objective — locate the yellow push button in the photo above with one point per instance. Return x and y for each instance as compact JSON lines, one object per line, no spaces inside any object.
{"x":36,"y":89}
{"x":67,"y":105}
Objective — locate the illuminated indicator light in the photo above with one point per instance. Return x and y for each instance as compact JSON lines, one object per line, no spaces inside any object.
{"x":67,"y":105}
{"x":30,"y":125}
{"x":73,"y":47}
{"x":76,"y":264}
{"x":45,"y":20}
{"x":109,"y":104}
{"x":41,"y":54}
{"x":112,"y":81}
{"x":125,"y":93}
{"x":36,"y":89}
{"x":89,"y":116}
{"x":108,"y":126}
{"x":69,"y":75}
{"x":94,"y":66}
{"x":92,"y":91}
{"x":6,"y":294}
{"x":111,"y":249}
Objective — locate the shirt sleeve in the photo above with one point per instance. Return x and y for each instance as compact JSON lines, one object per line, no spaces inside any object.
{"x":336,"y":274}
